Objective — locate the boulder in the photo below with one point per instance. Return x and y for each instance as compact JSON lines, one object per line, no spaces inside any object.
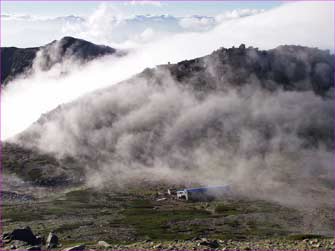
{"x":103,"y":244}
{"x":52,"y":240}
{"x":25,"y":235}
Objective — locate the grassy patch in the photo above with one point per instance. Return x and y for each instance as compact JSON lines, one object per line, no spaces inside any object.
{"x":82,"y":196}
{"x":17,"y":214}
{"x":154,"y":224}
{"x":297,"y":237}
{"x":68,"y":227}
{"x":226,"y":209}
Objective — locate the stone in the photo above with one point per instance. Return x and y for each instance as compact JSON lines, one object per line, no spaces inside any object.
{"x":317,"y":245}
{"x":52,"y":240}
{"x":103,"y":244}
{"x":37,"y":248}
{"x":158,"y":246}
{"x":211,"y":244}
{"x":75,"y":248}
{"x":18,"y":243}
{"x":6,"y":235}
{"x":25,"y":235}
{"x":6,"y":241}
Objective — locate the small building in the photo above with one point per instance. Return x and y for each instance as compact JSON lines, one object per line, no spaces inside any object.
{"x":204,"y":193}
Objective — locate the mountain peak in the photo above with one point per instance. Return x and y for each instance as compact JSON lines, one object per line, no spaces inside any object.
{"x":16,"y":61}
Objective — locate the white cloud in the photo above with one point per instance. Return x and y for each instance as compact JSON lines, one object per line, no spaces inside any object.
{"x":139,"y":2}
{"x":147,"y":34}
{"x":303,"y":23}
{"x":237,"y":14}
{"x":31,"y":31}
{"x":107,"y":24}
{"x":197,"y":22}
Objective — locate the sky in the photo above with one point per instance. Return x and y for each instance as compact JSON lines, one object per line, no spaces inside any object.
{"x":132,"y":8}
{"x":43,"y":22}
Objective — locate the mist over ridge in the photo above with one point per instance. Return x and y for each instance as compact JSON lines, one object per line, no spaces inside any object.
{"x":236,"y":116}
{"x":43,"y":91}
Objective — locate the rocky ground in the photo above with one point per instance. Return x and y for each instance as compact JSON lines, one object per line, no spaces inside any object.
{"x":147,"y":218}
{"x":201,"y":244}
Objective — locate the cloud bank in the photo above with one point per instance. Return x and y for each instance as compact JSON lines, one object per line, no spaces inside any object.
{"x":108,"y":24}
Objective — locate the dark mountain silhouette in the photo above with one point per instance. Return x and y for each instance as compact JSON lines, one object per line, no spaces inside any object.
{"x":15,"y":61}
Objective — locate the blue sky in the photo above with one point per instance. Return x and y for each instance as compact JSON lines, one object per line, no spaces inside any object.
{"x":174,"y":8}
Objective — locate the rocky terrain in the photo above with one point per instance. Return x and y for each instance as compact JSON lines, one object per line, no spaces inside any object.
{"x":39,"y":169}
{"x":16,"y":61}
{"x":148,"y":218}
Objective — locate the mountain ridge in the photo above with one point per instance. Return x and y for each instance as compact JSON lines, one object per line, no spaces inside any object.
{"x":16,"y":61}
{"x":112,"y":128}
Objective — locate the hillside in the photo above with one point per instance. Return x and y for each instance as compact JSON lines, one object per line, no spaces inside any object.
{"x":16,"y":61}
{"x":205,"y":102}
{"x":261,"y":121}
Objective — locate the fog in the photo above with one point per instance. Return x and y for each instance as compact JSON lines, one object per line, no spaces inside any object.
{"x":241,"y":127}
{"x":27,"y":97}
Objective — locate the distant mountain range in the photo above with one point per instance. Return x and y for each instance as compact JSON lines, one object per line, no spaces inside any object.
{"x":16,"y":61}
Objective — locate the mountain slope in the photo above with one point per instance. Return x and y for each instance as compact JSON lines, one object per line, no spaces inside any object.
{"x":235,"y":116}
{"x":16,"y":61}
{"x":37,"y":168}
